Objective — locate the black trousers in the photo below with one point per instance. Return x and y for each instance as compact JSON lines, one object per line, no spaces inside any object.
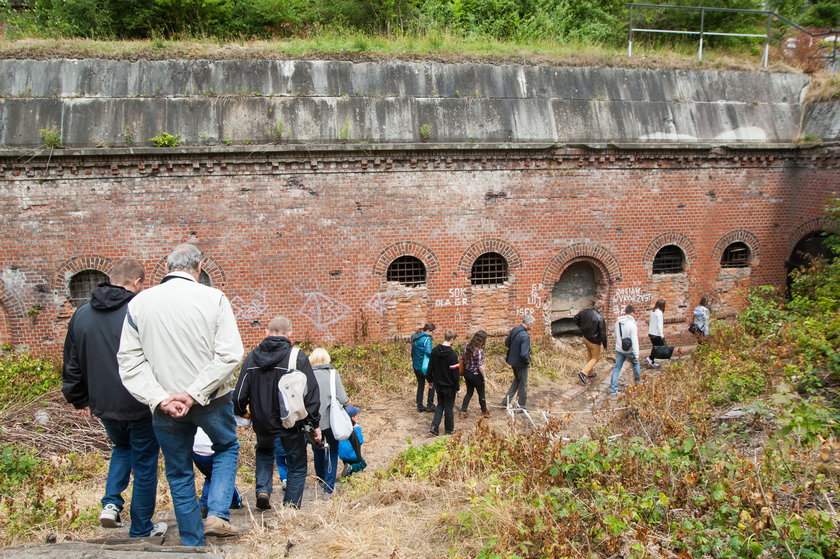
{"x":474,"y":384}
{"x":421,"y":387}
{"x":654,"y":341}
{"x":446,"y":408}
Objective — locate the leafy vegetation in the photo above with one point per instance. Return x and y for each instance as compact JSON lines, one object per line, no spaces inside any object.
{"x":672,"y":475}
{"x":51,"y":138}
{"x":23,"y":378}
{"x":166,"y":140}
{"x":599,"y":21}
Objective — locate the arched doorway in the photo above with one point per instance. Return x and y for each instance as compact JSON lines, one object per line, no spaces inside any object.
{"x":578,"y":288}
{"x":808,"y":248}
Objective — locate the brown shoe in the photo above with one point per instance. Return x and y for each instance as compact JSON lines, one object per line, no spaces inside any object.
{"x":263,"y":501}
{"x":215,"y":526}
{"x":463,"y":415}
{"x":485,"y":414}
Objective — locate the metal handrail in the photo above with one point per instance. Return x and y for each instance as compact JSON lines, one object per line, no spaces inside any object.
{"x":832,"y":58}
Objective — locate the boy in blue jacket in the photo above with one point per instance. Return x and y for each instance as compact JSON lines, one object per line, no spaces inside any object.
{"x":421,"y":349}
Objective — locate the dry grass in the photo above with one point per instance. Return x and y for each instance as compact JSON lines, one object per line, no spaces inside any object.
{"x":49,"y":426}
{"x":824,"y":87}
{"x":360,"y":48}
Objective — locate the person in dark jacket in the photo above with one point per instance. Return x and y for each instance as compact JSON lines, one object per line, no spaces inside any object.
{"x":257,"y":388}
{"x":91,"y":383}
{"x":594,"y":330}
{"x":446,"y":378}
{"x":518,"y":342}
{"x":421,"y":348}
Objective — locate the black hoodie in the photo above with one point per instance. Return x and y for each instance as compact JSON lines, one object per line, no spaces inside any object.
{"x":257,"y":386}
{"x":443,"y":368}
{"x":91,"y":375}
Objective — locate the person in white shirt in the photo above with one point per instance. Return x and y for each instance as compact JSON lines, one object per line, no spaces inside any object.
{"x":626,"y":346}
{"x":655,"y":329}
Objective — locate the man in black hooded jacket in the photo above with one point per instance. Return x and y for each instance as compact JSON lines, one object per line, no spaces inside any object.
{"x":91,"y":383}
{"x":257,"y":388}
{"x":445,"y":375}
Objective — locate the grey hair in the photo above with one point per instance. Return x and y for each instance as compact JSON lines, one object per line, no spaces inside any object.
{"x":280,"y":325}
{"x":184,"y":258}
{"x":528,"y":319}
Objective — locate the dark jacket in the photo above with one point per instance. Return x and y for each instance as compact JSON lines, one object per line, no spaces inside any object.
{"x":518,"y":342}
{"x":257,"y":387}
{"x":421,"y":346}
{"x":91,"y":374}
{"x":592,"y":326}
{"x":443,"y":368}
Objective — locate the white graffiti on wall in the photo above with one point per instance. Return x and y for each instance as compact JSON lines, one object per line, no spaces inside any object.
{"x":627,"y":295}
{"x":251,"y":309}
{"x":457,"y":298}
{"x":535,"y":299}
{"x":323,"y":310}
{"x":377,"y":303}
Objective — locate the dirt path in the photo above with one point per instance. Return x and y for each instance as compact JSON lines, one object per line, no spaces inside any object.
{"x":390,"y":426}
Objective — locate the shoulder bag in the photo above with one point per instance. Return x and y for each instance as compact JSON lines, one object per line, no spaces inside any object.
{"x":340,"y":423}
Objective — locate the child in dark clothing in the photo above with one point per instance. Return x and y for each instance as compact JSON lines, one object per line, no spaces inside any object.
{"x":445,"y":375}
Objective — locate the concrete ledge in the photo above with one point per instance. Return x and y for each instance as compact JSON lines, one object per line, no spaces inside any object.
{"x":116,"y":103}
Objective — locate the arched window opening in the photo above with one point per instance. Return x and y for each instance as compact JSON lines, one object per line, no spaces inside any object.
{"x":204,"y":279}
{"x":491,"y":268}
{"x":669,"y":260}
{"x":736,"y":255}
{"x":82,"y":285}
{"x":407,"y":270}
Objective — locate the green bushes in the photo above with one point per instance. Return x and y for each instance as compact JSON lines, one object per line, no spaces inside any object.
{"x":23,"y":377}
{"x":598,"y":21}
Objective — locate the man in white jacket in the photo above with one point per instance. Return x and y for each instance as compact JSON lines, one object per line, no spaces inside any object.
{"x":626,"y":346}
{"x":179,"y":348}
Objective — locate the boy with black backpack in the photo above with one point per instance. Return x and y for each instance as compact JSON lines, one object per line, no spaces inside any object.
{"x":278,"y":384}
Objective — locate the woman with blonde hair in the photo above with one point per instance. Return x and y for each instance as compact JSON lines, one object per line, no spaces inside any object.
{"x":326,"y":459}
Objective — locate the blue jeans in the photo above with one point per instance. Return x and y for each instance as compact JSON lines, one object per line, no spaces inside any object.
{"x":204,"y":463}
{"x":326,"y":461}
{"x":619,"y":363}
{"x":135,"y":449}
{"x":294,"y":443}
{"x":280,"y":458}
{"x":176,"y":440}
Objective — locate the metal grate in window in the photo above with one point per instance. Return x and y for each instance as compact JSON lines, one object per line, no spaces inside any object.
{"x":736,"y":255}
{"x":408,"y":270}
{"x":669,"y":260}
{"x":82,"y":285}
{"x":491,"y":268}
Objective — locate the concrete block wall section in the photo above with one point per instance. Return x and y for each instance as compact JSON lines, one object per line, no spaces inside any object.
{"x":114,"y":103}
{"x":311,"y":234}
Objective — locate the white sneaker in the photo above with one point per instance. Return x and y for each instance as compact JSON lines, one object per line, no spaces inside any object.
{"x":159,"y":530}
{"x":110,"y":516}
{"x":650,"y":362}
{"x":283,"y":484}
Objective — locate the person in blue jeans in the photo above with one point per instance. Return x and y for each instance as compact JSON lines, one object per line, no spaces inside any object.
{"x":91,"y":383}
{"x":280,"y":459}
{"x":203,"y":459}
{"x":626,"y":346}
{"x":326,"y":459}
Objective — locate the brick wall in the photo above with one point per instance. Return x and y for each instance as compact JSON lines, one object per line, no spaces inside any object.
{"x":311,"y":235}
